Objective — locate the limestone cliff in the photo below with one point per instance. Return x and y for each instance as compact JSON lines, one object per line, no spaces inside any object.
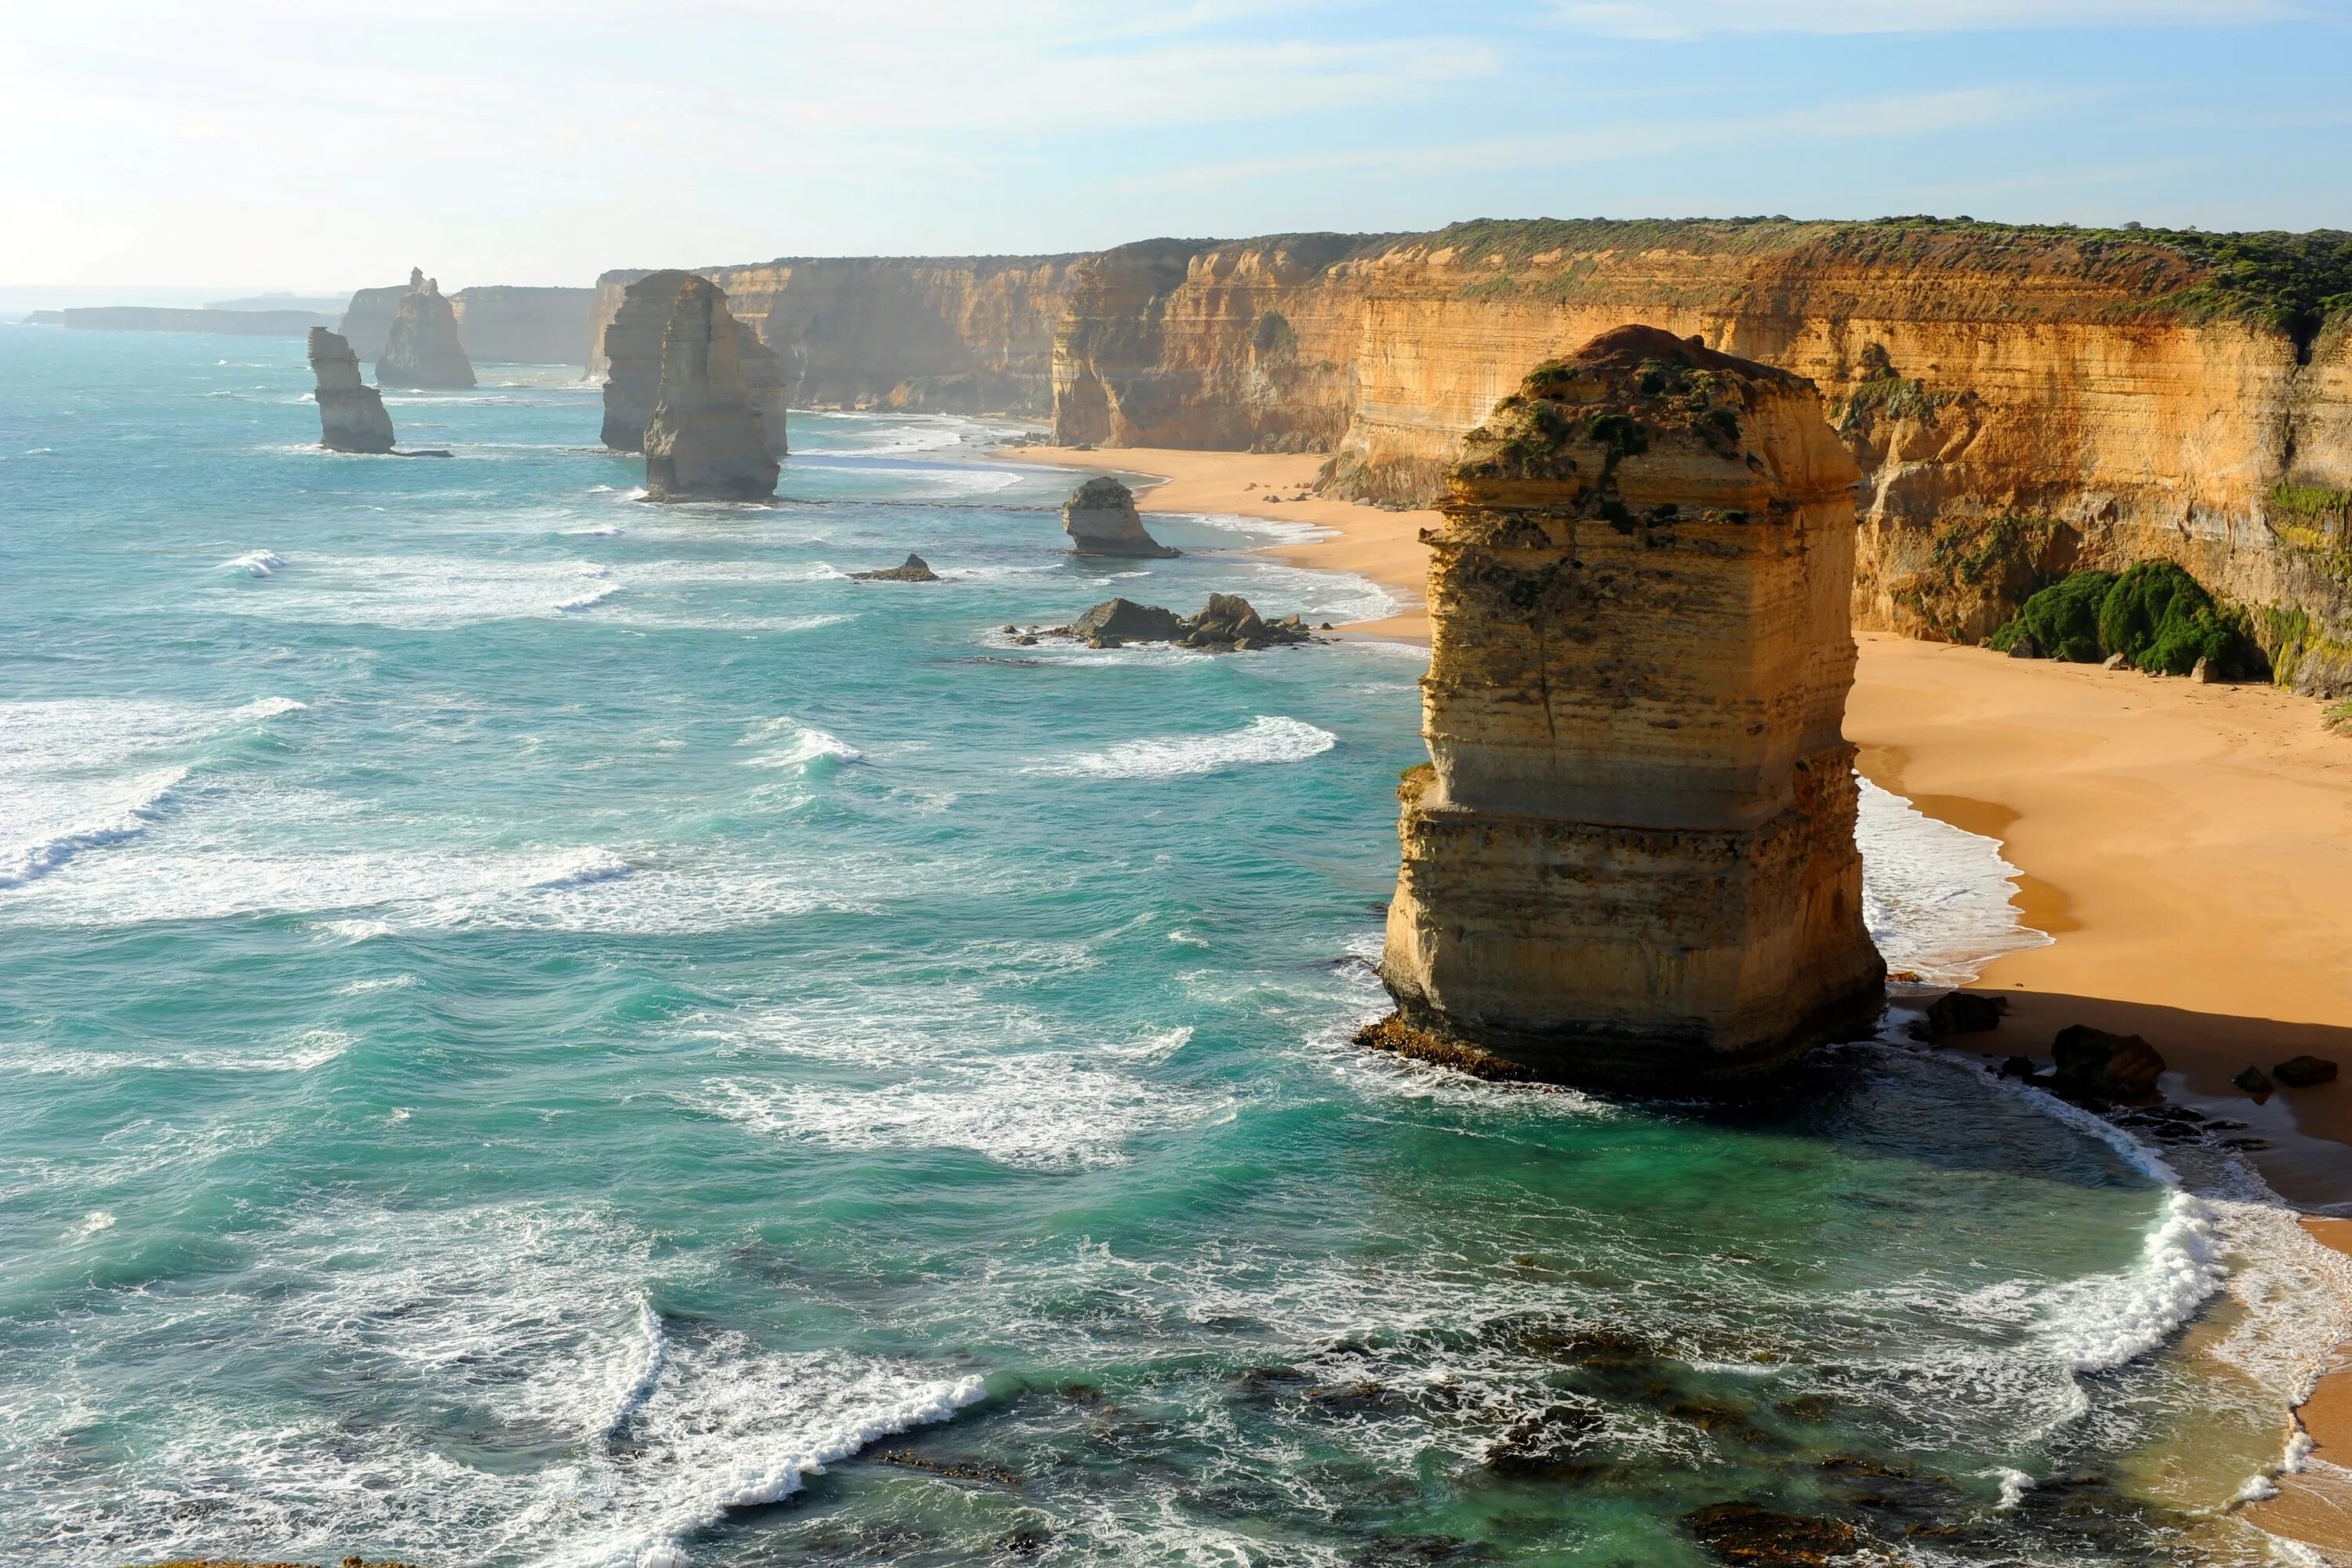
{"x":705,"y":441}
{"x":1101,"y":519}
{"x":1633,"y":859}
{"x":946,"y":334}
{"x":422,"y":350}
{"x":351,"y":411}
{"x":504,"y":325}
{"x":2019,"y":400}
{"x":630,"y":346}
{"x":367,"y":319}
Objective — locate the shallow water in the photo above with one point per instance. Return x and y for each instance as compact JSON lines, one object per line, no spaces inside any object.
{"x":539,"y":1029}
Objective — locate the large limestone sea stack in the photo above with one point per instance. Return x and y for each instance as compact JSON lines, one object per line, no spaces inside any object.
{"x":1632,"y":861}
{"x":633,"y":357}
{"x":351,"y":411}
{"x":422,"y":350}
{"x":705,"y":442}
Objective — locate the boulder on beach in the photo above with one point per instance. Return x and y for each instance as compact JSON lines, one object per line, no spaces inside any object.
{"x":351,"y":411}
{"x":422,"y":350}
{"x":2305,"y":1072}
{"x":2098,"y":1065}
{"x":914,"y":569}
{"x":2254,"y":1081}
{"x":1959,"y":1012}
{"x":1101,"y":519}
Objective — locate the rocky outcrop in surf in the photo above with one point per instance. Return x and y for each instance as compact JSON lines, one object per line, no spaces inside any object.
{"x":1632,"y":858}
{"x":1227,"y":623}
{"x":351,"y":411}
{"x":704,"y":441}
{"x":422,"y":349}
{"x":1101,"y":519}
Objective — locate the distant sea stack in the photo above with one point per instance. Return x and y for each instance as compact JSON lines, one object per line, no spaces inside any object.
{"x":705,"y":441}
{"x":632,"y":355}
{"x":422,"y":350}
{"x":351,"y":411}
{"x":1101,"y":519}
{"x":1632,"y":861}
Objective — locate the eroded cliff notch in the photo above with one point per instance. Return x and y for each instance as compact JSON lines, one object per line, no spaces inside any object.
{"x":422,"y":349}
{"x":705,"y":441}
{"x":1632,"y":860}
{"x":351,"y":411}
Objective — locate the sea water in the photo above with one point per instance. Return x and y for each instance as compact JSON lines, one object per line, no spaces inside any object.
{"x":540,"y":1028}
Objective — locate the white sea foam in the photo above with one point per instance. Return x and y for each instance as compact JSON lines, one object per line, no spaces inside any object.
{"x":804,"y":744}
{"x":108,"y":813}
{"x":430,"y":592}
{"x":256,"y":564}
{"x":1265,"y":739}
{"x":1936,"y":897}
{"x":580,"y":868}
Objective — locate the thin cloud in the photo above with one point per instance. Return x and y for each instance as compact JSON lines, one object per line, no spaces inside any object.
{"x":1683,"y":19}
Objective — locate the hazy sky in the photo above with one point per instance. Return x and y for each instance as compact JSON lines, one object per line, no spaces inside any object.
{"x":314,"y":145}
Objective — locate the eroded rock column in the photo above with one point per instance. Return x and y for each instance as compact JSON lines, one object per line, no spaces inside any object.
{"x":351,"y":411}
{"x":705,"y":441}
{"x":422,"y":350}
{"x":1631,"y":859}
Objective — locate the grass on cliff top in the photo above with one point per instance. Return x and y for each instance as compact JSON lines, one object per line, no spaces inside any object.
{"x":2289,"y":281}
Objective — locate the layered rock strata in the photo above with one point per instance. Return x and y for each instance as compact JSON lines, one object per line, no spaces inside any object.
{"x":1101,"y":519}
{"x":351,"y":411}
{"x":502,"y":324}
{"x":705,"y":441}
{"x":1632,"y":860}
{"x":422,"y":349}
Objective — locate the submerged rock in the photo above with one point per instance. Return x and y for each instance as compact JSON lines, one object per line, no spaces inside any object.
{"x":704,"y":442}
{"x":1757,"y":1536}
{"x":422,"y":350}
{"x":1633,"y":860}
{"x":1101,"y":519}
{"x":2097,"y":1065}
{"x":914,"y":569}
{"x":351,"y":411}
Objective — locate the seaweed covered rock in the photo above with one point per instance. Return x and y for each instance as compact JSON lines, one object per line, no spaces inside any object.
{"x":1228,"y":622}
{"x":704,"y":440}
{"x":351,"y":411}
{"x":422,"y":349}
{"x":1633,"y":860}
{"x":914,"y":569}
{"x":1101,"y":519}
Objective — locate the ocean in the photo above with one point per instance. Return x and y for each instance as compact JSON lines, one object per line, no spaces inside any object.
{"x":539,"y":1029}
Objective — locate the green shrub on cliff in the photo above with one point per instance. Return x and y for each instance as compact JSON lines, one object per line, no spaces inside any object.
{"x":2063,"y":619}
{"x":2162,"y":620}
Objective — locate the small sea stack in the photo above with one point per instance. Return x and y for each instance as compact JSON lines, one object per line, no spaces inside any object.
{"x":1101,"y":519}
{"x":1631,"y":860}
{"x":351,"y":411}
{"x":705,"y":442}
{"x":422,"y":350}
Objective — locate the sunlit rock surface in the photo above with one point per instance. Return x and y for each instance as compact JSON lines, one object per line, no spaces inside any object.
{"x":351,"y":411}
{"x":705,"y":441}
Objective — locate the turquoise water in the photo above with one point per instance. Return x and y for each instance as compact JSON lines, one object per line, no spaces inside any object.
{"x":535,"y":1029}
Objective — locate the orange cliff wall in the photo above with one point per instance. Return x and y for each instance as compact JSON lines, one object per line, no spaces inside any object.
{"x":2020,"y":403}
{"x":966,"y":335}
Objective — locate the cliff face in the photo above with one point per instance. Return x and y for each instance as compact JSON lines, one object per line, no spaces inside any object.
{"x":2018,"y":401}
{"x":630,"y":347}
{"x":367,"y":319}
{"x":350,"y":413}
{"x":1633,"y":860}
{"x":967,"y":335}
{"x":704,"y":440}
{"x":422,"y":350}
{"x":524,"y":326}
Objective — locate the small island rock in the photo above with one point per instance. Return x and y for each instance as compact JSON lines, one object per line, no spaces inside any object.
{"x":704,"y":441}
{"x":1101,"y":519}
{"x":914,"y":569}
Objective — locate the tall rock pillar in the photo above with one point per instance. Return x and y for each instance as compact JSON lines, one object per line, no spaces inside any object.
{"x":422,"y":350}
{"x":1632,"y":861}
{"x":351,"y":411}
{"x":705,"y":441}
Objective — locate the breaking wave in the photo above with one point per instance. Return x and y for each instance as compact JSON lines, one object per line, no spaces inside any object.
{"x":1265,"y":739}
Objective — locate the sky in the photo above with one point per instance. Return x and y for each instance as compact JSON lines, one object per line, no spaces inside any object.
{"x":242,"y":145}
